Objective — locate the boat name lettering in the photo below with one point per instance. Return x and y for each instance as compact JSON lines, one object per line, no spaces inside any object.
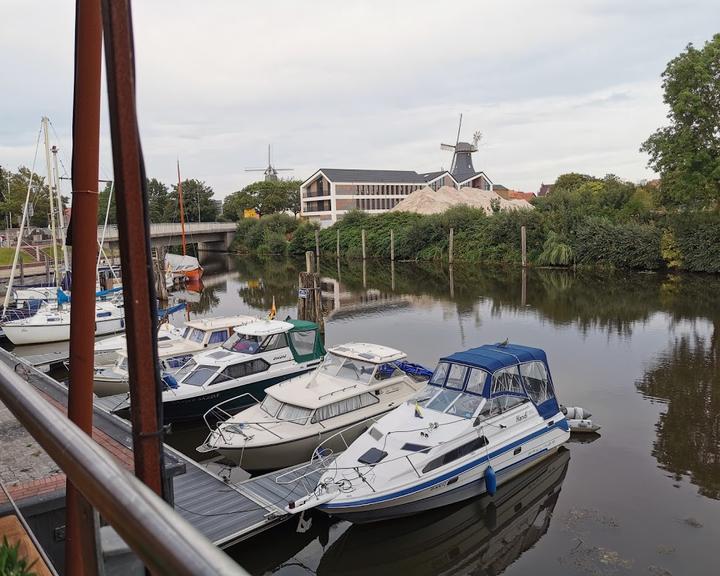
{"x":521,"y":417}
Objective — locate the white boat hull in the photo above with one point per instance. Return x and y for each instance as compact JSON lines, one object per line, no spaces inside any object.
{"x":22,"y":334}
{"x":450,"y":487}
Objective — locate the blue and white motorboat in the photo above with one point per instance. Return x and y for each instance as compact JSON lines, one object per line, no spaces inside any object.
{"x":487,"y":415}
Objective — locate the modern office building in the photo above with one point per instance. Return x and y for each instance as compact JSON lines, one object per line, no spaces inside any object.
{"x":331,"y":192}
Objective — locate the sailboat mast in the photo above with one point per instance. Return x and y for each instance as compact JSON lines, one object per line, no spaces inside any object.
{"x":52,"y":199}
{"x":61,"y":216}
{"x":182,"y":211}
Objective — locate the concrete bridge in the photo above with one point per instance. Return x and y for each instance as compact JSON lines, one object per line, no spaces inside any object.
{"x":209,"y":236}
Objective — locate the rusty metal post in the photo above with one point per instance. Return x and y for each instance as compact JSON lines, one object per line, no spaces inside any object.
{"x":80,"y":546}
{"x":135,"y":255}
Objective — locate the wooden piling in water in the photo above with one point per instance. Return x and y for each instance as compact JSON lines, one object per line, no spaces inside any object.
{"x":523,"y":245}
{"x":317,"y":244}
{"x":309,"y":305}
{"x":392,"y":245}
{"x":450,"y":246}
{"x":363,"y":243}
{"x":47,"y":271}
{"x":22,"y":271}
{"x":337,"y":244}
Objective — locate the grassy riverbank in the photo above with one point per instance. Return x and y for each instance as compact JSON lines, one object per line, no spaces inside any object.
{"x":598,"y":223}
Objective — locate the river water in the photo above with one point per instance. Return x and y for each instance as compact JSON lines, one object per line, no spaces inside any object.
{"x":640,"y":351}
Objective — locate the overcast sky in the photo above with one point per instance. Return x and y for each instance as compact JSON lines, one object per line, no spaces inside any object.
{"x":554,"y":86}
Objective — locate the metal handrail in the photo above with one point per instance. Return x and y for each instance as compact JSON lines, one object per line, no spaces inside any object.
{"x":162,"y":539}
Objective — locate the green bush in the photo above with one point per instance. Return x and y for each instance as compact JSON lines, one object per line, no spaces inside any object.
{"x":303,"y":238}
{"x":599,"y":241}
{"x":697,"y":238}
{"x":274,"y":243}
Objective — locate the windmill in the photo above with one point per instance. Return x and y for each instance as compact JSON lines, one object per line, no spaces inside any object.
{"x":462,"y":167}
{"x":271,"y":173}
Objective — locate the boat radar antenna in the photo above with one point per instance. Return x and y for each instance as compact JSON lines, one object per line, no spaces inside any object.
{"x":271,"y":172}
{"x":462,"y":167}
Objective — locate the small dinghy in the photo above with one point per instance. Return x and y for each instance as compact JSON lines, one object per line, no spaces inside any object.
{"x":579,"y":420}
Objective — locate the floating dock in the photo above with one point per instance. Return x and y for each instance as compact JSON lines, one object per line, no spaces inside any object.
{"x":226,"y":512}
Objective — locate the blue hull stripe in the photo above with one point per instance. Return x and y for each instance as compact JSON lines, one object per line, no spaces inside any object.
{"x":562,"y":424}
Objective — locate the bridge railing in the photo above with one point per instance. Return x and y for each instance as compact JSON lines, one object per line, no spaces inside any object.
{"x":173,"y":229}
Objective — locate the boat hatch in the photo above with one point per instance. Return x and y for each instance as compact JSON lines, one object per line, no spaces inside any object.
{"x":372,"y":456}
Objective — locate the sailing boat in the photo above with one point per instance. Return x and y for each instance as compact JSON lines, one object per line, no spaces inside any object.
{"x":51,"y":322}
{"x":186,"y":265}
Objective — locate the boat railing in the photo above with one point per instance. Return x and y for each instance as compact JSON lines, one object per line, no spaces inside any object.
{"x":163,"y":540}
{"x":220,"y":415}
{"x":337,"y":391}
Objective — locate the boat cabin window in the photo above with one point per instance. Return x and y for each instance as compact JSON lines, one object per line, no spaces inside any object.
{"x":271,"y":405}
{"x":505,"y":403}
{"x":456,"y":377}
{"x":185,"y":369}
{"x":123,"y":363}
{"x":507,"y":380}
{"x":537,"y":382}
{"x":303,"y":342}
{"x":476,"y":381}
{"x":218,"y":337}
{"x":387,"y":371}
{"x":347,"y":368}
{"x":194,"y":335}
{"x":243,"y":343}
{"x":200,"y":375}
{"x":438,"y":377}
{"x":274,"y":342}
{"x":241,"y":369}
{"x":294,"y":414}
{"x":344,"y":406}
{"x":456,"y":454}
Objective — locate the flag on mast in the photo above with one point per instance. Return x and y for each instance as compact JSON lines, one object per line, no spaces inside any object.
{"x":273,"y":310}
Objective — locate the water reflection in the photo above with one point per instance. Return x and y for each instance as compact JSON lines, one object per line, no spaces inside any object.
{"x":480,"y":536}
{"x":687,"y":377}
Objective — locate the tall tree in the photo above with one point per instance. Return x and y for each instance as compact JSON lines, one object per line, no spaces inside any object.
{"x":158,"y":194}
{"x":236,"y":203}
{"x":267,"y":197}
{"x":687,"y":152}
{"x":198,"y":202}
{"x":103,"y":202}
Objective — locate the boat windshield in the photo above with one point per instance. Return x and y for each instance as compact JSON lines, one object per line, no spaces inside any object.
{"x":194,"y":335}
{"x":285,"y":412}
{"x":347,"y":368}
{"x":455,"y":389}
{"x":242,"y":343}
{"x":200,"y":375}
{"x":122,"y":363}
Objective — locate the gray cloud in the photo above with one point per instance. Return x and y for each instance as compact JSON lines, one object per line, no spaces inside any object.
{"x":554,"y":86}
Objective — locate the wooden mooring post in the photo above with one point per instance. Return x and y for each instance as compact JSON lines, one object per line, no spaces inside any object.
{"x":47,"y":271}
{"x":309,"y":305}
{"x":337,"y":244}
{"x":450,"y":246}
{"x":363,"y":243}
{"x":392,"y":245}
{"x":317,"y":244}
{"x":22,"y":271}
{"x":523,"y":245}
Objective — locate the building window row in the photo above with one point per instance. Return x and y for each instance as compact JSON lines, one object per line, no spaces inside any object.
{"x":385,"y":189}
{"x":317,"y":206}
{"x":377,"y":203}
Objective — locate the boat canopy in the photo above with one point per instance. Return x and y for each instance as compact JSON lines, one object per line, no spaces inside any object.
{"x":304,"y":340}
{"x":516,"y":370}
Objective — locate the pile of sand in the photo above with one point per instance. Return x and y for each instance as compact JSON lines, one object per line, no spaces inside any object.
{"x":429,"y":201}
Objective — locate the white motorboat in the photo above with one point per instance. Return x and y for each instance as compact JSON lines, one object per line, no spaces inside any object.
{"x":106,"y":349}
{"x":174,"y":352}
{"x":51,"y":323}
{"x":258,"y":355}
{"x":355,"y":382}
{"x":488,"y":414}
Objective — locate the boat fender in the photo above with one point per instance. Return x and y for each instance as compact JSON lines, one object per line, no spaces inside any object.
{"x":490,"y":481}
